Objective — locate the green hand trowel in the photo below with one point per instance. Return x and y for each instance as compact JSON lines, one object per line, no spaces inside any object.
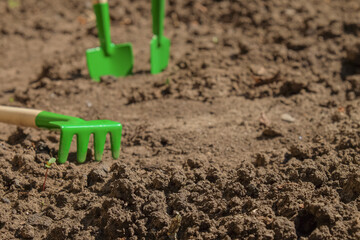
{"x":159,"y":45}
{"x":108,"y":59}
{"x":69,"y":126}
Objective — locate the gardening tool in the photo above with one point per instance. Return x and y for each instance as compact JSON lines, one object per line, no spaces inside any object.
{"x":159,"y":45}
{"x":108,"y":59}
{"x":69,"y":126}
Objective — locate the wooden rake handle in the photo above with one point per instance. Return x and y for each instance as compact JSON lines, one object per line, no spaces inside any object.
{"x":99,"y":1}
{"x":18,"y":116}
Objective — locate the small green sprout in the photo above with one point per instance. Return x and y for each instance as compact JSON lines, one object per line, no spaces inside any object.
{"x":167,"y":82}
{"x":48,"y":165}
{"x":51,"y":161}
{"x":13,"y":4}
{"x":215,"y":40}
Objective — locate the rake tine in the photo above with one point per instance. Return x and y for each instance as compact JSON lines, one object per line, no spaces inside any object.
{"x":115,"y":137}
{"x":99,"y":145}
{"x":82,"y":146}
{"x":65,"y":142}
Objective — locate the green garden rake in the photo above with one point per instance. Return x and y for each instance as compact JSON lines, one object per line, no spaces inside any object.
{"x":69,"y":126}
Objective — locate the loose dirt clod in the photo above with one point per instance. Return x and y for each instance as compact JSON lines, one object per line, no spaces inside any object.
{"x":27,"y":232}
{"x":287,"y":117}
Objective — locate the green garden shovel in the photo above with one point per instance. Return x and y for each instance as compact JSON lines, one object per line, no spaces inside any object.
{"x":69,"y":126}
{"x":159,"y":45}
{"x":108,"y":59}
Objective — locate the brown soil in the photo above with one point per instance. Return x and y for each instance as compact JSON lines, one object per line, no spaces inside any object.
{"x":252,"y":132}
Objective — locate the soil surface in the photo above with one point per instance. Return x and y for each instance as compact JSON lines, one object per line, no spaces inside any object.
{"x":252,"y":132}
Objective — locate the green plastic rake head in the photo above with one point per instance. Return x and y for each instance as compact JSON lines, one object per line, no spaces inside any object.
{"x":69,"y":126}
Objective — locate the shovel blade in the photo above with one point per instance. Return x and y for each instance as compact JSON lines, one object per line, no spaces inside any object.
{"x":160,"y":53}
{"x":118,"y":63}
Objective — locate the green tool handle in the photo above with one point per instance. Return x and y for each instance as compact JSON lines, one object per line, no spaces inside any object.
{"x":158,"y":14}
{"x":31,"y":117}
{"x":101,"y":9}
